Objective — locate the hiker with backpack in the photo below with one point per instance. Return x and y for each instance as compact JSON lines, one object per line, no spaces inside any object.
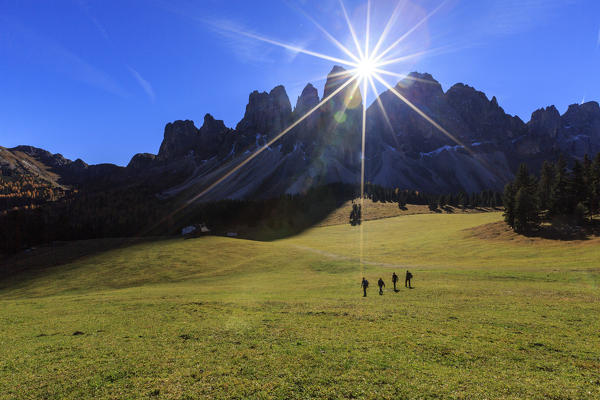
{"x":394,"y":281}
{"x":364,"y":284}
{"x":381,"y":286}
{"x":407,"y":279}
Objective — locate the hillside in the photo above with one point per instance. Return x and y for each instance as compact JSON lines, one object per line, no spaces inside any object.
{"x":217,"y":317}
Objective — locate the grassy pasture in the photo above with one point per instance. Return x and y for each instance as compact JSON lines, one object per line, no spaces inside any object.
{"x":492,"y":315}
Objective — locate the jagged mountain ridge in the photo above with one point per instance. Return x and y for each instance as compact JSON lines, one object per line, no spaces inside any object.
{"x":402,"y":149}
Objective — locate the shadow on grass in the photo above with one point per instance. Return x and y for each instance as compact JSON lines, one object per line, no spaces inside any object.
{"x":560,"y":229}
{"x":33,"y":261}
{"x":565,"y":231}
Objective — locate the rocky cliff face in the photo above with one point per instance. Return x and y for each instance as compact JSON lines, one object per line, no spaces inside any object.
{"x":402,"y":148}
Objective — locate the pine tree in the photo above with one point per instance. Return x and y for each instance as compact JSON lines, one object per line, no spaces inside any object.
{"x":523,"y":180}
{"x":545,"y":186}
{"x":581,"y":212}
{"x":595,"y":186}
{"x":509,"y":204}
{"x":526,"y":211}
{"x":560,"y":195}
{"x":577,"y":190}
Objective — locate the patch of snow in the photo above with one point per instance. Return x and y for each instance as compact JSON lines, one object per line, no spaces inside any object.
{"x":441,"y":149}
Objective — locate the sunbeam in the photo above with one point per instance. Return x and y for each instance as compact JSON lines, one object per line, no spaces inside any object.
{"x":272,"y":141}
{"x":297,"y":49}
{"x":368,"y":30}
{"x":388,"y":26}
{"x":330,"y":37}
{"x":420,"y":112}
{"x":383,"y":111}
{"x":410,"y":31}
{"x":352,"y":32}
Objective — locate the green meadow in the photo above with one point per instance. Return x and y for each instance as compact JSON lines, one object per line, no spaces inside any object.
{"x":492,"y":316}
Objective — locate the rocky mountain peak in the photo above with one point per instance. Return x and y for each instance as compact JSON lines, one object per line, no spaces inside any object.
{"x":348,"y":98}
{"x":211,"y":125}
{"x":141,"y":161}
{"x":335,"y":78}
{"x":588,"y":109}
{"x":266,"y":113}
{"x":211,"y":136}
{"x":583,"y":119}
{"x":420,"y":87}
{"x":545,"y":121}
{"x":179,"y":138}
{"x":307,"y":99}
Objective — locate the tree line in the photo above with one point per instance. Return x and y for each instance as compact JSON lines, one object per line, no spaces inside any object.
{"x":485,"y":198}
{"x":136,"y":211}
{"x":27,"y":192}
{"x":558,"y":192}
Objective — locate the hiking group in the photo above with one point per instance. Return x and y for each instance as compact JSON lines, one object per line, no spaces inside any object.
{"x":365,"y":283}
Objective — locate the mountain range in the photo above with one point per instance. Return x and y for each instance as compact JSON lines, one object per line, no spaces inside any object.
{"x":402,"y":149}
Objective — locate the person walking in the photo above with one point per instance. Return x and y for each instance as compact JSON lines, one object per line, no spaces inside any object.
{"x":394,"y":281}
{"x":381,"y":286}
{"x":407,"y":279}
{"x":364,"y":284}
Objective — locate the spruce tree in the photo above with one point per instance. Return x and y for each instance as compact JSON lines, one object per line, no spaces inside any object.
{"x":545,"y":186}
{"x":523,"y":179}
{"x":595,"y":186}
{"x":580,"y":213}
{"x":509,"y":204}
{"x":526,"y":212}
{"x":577,"y":190}
{"x":560,"y":195}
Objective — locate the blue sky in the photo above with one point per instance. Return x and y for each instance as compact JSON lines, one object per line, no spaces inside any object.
{"x":99,"y":79}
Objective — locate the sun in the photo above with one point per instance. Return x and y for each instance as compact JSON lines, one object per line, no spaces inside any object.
{"x":366,"y":68}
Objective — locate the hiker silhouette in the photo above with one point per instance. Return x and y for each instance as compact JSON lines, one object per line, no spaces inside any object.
{"x":407,"y":279}
{"x":381,"y":286}
{"x":365,"y":285}
{"x":394,"y":281}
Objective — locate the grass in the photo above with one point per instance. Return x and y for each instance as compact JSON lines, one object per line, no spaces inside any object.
{"x":378,"y":210}
{"x":492,"y":316}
